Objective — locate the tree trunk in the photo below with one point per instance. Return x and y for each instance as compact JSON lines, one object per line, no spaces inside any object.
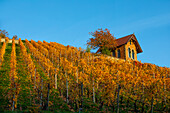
{"x":48,"y":96}
{"x":67,"y":90}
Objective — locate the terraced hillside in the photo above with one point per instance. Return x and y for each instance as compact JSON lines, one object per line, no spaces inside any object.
{"x":41,"y":76}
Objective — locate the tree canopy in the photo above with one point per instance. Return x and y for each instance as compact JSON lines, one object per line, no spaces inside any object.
{"x":101,"y":39}
{"x":15,"y":37}
{"x":3,"y":33}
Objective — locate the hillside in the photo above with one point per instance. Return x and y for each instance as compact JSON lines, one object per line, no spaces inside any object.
{"x":41,"y":76}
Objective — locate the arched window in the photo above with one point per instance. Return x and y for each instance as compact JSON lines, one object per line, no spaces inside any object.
{"x":118,"y":53}
{"x":129,"y":51}
{"x":114,"y":53}
{"x":133,"y":54}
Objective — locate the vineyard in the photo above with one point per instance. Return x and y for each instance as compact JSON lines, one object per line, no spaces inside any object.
{"x":41,"y":76}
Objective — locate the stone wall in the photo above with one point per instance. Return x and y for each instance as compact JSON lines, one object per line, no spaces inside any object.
{"x":2,"y":39}
{"x":10,"y":41}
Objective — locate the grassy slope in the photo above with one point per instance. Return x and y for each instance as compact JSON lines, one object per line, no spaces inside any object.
{"x":24,"y":98}
{"x":24,"y":102}
{"x":60,"y":105}
{"x":4,"y":78}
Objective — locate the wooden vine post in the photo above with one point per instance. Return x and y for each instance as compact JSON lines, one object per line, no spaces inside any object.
{"x":152,"y":96}
{"x":48,"y":91}
{"x":35,"y":80}
{"x":118,"y":91}
{"x":77,"y":76}
{"x":134,"y":86}
{"x":143,"y":96}
{"x":66,"y":78}
{"x":93,"y":82}
{"x":55,"y":79}
{"x":48,"y":96}
{"x":164,"y":89}
{"x":41,"y":96}
{"x":81,"y":104}
{"x":13,"y":104}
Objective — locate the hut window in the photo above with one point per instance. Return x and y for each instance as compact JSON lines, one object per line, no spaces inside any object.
{"x":114,"y":53}
{"x":129,"y":52}
{"x":133,"y":54}
{"x":130,"y":42}
{"x":118,"y":53}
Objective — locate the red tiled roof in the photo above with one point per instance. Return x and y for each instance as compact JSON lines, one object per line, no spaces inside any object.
{"x":124,"y":40}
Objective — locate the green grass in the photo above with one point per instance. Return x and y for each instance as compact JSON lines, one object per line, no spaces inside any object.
{"x":58,"y":106}
{"x":1,"y":43}
{"x":24,"y":97}
{"x":4,"y":79}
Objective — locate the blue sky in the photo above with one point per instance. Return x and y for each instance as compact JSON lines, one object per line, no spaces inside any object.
{"x":69,"y":22}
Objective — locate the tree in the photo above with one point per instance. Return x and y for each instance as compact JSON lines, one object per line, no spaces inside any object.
{"x":105,"y":51}
{"x":15,"y":37}
{"x":3,"y":33}
{"x":88,"y":49}
{"x":103,"y":40}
